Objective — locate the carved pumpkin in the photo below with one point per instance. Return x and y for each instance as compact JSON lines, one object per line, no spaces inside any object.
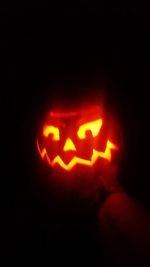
{"x":79,"y":139}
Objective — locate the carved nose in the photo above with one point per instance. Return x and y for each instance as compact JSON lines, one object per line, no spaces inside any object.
{"x":69,"y":145}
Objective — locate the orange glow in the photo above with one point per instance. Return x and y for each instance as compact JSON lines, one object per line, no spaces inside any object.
{"x":51,"y":130}
{"x":82,"y":112}
{"x":107,"y":153}
{"x":93,"y":126}
{"x":76,"y":160}
{"x":69,"y":145}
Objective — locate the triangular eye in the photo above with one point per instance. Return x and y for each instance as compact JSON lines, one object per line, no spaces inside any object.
{"x":93,"y":126}
{"x":48,"y":129}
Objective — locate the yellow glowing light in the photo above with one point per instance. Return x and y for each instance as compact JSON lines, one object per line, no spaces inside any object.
{"x":69,"y":145}
{"x":51,"y":130}
{"x":93,"y":126}
{"x":76,"y":160}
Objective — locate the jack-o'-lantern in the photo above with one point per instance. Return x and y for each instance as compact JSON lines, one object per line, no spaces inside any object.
{"x":76,"y":140}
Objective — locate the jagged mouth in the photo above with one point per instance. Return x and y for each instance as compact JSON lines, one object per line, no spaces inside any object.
{"x":77,"y":160}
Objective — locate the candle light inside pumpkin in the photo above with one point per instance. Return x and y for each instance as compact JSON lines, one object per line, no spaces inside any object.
{"x":69,"y":139}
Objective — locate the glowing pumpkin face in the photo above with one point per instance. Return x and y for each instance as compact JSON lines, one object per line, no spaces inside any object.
{"x":71,"y":139}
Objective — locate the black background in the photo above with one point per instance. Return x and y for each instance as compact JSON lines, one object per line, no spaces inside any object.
{"x":47,"y":49}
